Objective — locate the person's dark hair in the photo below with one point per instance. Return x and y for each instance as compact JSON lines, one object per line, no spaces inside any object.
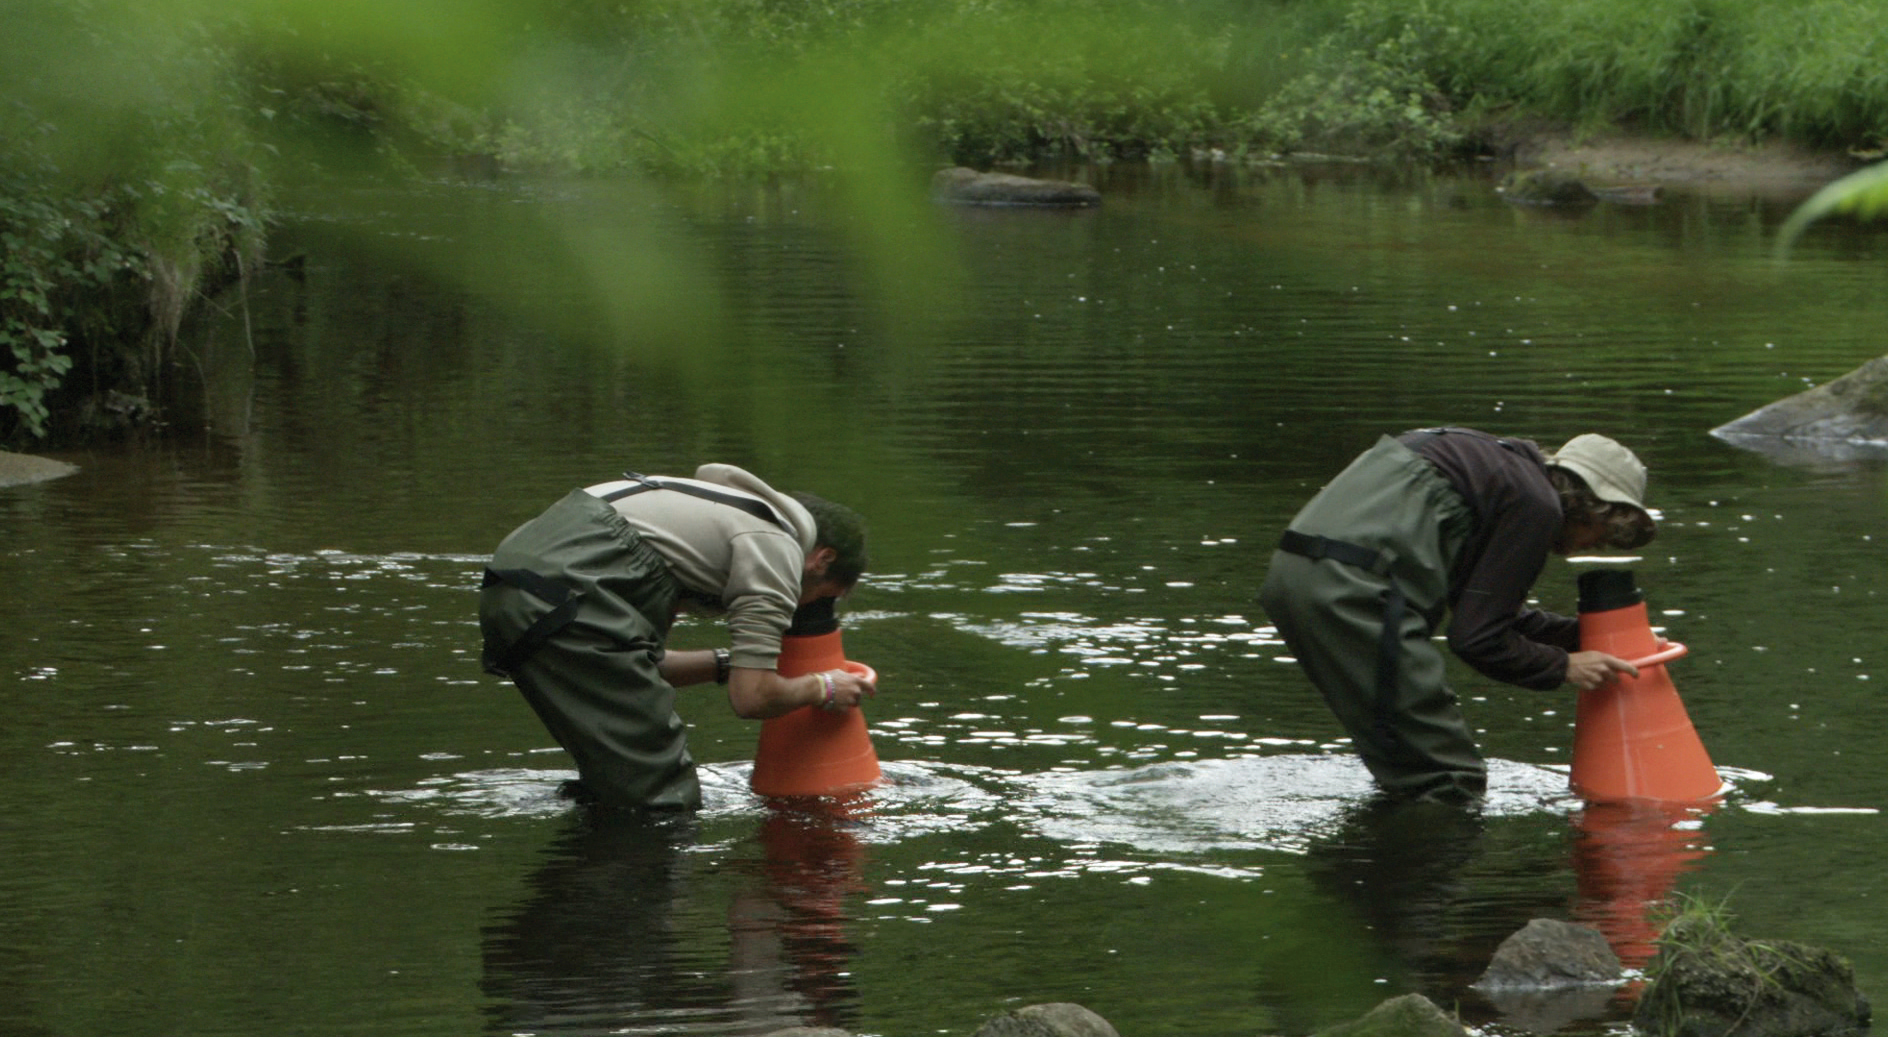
{"x":841,"y":529}
{"x":1627,"y":527}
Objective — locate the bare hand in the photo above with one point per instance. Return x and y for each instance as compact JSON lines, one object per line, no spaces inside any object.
{"x":848,"y":689}
{"x":1589,"y":670}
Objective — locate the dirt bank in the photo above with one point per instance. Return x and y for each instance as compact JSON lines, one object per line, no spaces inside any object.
{"x":1779,"y":169}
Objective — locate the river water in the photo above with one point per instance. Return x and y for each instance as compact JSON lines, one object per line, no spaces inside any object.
{"x":257,"y":783}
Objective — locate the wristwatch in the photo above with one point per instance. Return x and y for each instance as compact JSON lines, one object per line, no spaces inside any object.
{"x":723,"y":660}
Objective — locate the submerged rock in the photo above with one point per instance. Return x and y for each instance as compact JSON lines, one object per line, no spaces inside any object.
{"x":1060,"y":1019}
{"x":964,"y":186}
{"x":1629,"y":194}
{"x":1546,"y":187}
{"x":1848,"y":416}
{"x":1708,"y":983}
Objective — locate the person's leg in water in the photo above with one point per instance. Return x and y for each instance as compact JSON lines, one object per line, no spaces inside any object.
{"x":1405,"y":725}
{"x":594,"y":682}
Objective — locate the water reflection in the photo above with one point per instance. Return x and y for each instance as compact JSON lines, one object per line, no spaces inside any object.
{"x":1090,"y":731}
{"x":791,"y":944}
{"x":594,"y":945}
{"x":1438,"y":899}
{"x":1628,"y":856}
{"x":1627,"y":859}
{"x":1423,"y":881}
{"x":1400,"y":865}
{"x":604,"y":940}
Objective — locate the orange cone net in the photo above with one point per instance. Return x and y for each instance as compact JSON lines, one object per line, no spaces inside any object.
{"x":813,"y":751}
{"x":1632,"y":737}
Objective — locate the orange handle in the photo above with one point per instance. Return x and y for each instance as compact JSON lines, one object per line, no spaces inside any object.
{"x":861,"y":671}
{"x":1672,"y":650}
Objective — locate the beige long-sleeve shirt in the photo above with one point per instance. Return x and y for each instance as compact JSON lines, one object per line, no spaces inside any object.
{"x":726,"y":559}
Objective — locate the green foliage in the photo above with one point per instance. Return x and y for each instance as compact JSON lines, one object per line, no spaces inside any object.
{"x":1694,"y":930}
{"x":692,"y":88}
{"x":982,"y":87}
{"x":1862,"y":194}
{"x":38,"y":362}
{"x":1691,"y":925}
{"x":753,"y":87}
{"x":123,"y":186}
{"x":55,"y":248}
{"x":1367,"y":91}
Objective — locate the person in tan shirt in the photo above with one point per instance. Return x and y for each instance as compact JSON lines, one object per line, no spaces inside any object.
{"x":577,"y":604}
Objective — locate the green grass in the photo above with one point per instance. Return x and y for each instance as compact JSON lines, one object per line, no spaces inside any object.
{"x":1814,"y":72}
{"x":1726,"y":974}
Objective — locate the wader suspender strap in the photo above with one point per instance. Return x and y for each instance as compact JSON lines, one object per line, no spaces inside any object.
{"x":564,"y":608}
{"x":563,"y":600}
{"x":650,"y":482}
{"x":1378,"y":563}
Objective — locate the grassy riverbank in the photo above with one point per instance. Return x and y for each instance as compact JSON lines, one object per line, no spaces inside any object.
{"x":743,"y":87}
{"x":131,"y":186}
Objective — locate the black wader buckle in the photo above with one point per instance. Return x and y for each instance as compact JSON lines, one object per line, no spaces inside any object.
{"x":563,"y":602}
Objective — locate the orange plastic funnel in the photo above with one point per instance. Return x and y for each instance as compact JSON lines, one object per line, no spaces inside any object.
{"x":813,"y":751}
{"x":1632,"y":738}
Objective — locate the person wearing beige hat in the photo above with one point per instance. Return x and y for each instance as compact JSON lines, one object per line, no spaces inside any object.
{"x":1448,"y":523}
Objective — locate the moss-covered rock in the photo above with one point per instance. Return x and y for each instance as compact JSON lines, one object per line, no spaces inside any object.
{"x":964,"y":186}
{"x":1058,"y":1019}
{"x":1708,"y":983}
{"x":1411,"y":1015}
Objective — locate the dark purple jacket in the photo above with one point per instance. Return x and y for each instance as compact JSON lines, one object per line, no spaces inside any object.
{"x":1517,"y":516}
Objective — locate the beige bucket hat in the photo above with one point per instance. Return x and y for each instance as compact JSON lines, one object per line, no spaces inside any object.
{"x":1609,"y":470}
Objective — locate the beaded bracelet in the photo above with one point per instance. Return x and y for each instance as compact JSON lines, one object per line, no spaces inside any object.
{"x":831,"y":689}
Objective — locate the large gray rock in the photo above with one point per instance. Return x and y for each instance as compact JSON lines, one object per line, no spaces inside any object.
{"x":964,"y":186}
{"x":18,"y":469}
{"x":1550,"y":953}
{"x":1708,"y":983}
{"x":1551,"y":974}
{"x":1845,"y":417}
{"x":1411,"y":1015}
{"x":1060,"y":1019}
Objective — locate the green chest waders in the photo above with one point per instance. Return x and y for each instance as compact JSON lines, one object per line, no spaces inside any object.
{"x":1356,"y":590}
{"x":1389,"y":640}
{"x":575,"y":608}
